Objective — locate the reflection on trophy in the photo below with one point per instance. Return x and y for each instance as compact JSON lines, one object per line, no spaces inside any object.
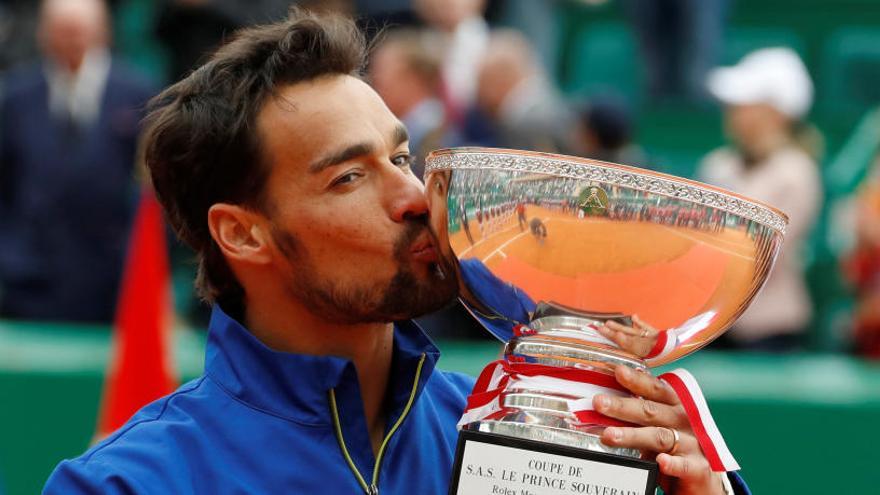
{"x":671,"y":262}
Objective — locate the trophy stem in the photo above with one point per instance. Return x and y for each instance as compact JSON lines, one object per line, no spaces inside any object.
{"x":573,"y":341}
{"x":555,"y":369}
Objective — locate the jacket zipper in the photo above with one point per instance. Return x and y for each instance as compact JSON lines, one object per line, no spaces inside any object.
{"x":373,"y":487}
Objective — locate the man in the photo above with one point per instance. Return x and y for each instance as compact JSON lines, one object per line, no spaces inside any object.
{"x":68,"y":135}
{"x":538,"y":229}
{"x":521,"y":215}
{"x":405,"y":71}
{"x":290,"y":178}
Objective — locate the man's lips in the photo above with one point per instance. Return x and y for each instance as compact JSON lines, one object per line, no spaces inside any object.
{"x":424,"y":251}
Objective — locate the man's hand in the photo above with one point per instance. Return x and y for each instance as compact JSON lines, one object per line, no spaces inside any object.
{"x":684,"y":469}
{"x":638,"y":339}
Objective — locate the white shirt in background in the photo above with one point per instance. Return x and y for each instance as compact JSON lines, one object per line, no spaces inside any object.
{"x":78,"y":95}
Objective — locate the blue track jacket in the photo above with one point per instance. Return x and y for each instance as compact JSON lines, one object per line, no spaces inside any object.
{"x":262,"y":422}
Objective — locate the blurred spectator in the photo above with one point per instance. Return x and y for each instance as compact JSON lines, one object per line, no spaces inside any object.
{"x":606,"y":130}
{"x":766,"y":95}
{"x":405,"y":71}
{"x":190,"y":29}
{"x":680,"y":42}
{"x":464,"y":36}
{"x":863,"y":267}
{"x":18,"y":22}
{"x":69,"y":134}
{"x":516,"y":94}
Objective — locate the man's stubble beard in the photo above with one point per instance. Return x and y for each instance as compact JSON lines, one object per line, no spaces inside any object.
{"x":403,"y":297}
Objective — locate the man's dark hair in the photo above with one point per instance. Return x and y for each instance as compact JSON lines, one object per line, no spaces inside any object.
{"x":202,"y":143}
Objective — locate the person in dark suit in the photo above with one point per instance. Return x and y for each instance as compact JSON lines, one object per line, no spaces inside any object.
{"x":68,"y":138}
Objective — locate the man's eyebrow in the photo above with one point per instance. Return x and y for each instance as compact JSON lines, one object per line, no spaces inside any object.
{"x":341,"y":156}
{"x":400,"y":134}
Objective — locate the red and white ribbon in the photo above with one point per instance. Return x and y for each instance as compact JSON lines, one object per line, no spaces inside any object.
{"x":673,"y":338}
{"x":667,"y":341}
{"x":487,"y":399}
{"x":685,"y":386}
{"x":486,"y":402}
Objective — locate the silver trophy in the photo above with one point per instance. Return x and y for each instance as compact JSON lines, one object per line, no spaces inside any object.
{"x":550,"y":247}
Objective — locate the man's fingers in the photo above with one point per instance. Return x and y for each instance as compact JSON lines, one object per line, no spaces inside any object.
{"x":623,"y":339}
{"x":651,"y":439}
{"x":639,"y":411}
{"x":641,"y":324}
{"x":646,"y":385}
{"x":617,"y":327}
{"x":626,"y":339}
{"x":690,"y":468}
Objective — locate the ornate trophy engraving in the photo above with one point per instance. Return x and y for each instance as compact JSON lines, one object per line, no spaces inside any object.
{"x":548,"y":248}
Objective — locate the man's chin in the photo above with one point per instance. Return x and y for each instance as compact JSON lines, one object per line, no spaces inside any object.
{"x":412,"y":311}
{"x":433,"y":292}
{"x":432,"y":309}
{"x":432,"y":306}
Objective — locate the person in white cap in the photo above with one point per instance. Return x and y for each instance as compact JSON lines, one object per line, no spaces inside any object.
{"x":766,"y":97}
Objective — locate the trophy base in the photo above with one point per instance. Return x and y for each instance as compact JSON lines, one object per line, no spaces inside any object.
{"x":487,"y":463}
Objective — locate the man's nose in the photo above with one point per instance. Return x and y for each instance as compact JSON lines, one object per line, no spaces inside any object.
{"x":408,"y":197}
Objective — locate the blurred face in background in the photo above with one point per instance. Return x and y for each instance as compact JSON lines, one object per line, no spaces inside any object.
{"x":391,"y":76}
{"x":496,"y":81}
{"x":68,"y":29}
{"x":757,"y":129}
{"x":448,"y":14}
{"x":507,"y":62}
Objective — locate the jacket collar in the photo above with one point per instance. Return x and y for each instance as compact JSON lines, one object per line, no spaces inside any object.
{"x":296,"y":386}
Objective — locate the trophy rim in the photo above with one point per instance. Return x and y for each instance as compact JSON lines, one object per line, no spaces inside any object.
{"x":612,"y":174}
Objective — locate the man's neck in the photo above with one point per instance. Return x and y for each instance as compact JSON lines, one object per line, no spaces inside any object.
{"x":286,"y":326}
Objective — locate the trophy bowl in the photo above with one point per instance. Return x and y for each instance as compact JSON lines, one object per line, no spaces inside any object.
{"x":549,"y":247}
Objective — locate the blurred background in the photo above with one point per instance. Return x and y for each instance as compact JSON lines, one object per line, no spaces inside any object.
{"x":773,"y":99}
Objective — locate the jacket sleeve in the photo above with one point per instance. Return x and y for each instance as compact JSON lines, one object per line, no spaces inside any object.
{"x":738,"y":484}
{"x":90,"y":477}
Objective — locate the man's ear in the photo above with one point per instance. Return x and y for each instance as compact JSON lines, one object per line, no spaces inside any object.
{"x":239,"y":232}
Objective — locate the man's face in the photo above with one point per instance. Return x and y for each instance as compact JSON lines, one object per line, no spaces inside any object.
{"x":349,"y":220}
